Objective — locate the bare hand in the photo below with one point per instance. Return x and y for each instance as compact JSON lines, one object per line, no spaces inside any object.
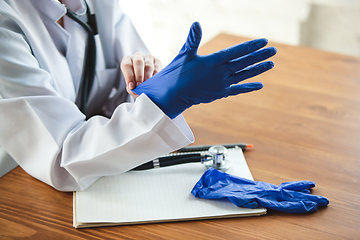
{"x":137,"y":69}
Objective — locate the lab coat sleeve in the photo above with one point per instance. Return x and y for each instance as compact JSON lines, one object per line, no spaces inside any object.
{"x":56,"y":145}
{"x":49,"y":138}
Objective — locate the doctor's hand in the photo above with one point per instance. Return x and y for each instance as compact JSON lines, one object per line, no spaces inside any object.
{"x":137,"y":69}
{"x":193,"y":79}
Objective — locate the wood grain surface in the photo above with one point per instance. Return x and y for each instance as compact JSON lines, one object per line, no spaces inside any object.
{"x":304,"y":124}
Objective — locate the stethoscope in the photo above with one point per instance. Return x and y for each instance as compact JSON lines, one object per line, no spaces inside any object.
{"x":88,"y":74}
{"x":218,"y":158}
{"x":214,"y":157}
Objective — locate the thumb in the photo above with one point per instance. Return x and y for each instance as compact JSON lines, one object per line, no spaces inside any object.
{"x":193,"y":40}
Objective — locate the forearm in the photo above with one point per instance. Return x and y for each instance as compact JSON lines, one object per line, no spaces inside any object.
{"x":73,"y":153}
{"x":135,"y":134}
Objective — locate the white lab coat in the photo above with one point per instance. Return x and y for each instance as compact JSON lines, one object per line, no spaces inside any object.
{"x":42,"y":129}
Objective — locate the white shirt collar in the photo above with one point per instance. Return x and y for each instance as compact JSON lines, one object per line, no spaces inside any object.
{"x":54,"y":10}
{"x":77,"y":6}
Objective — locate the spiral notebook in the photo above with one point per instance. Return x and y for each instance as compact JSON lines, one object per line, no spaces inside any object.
{"x":156,"y":195}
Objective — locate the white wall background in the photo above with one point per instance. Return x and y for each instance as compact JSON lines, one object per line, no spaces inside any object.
{"x":331,"y":25}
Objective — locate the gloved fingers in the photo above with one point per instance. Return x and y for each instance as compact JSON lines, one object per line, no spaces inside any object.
{"x":290,"y":207}
{"x":322,"y":201}
{"x":297,"y":185}
{"x":225,"y":55}
{"x":293,"y":196}
{"x":244,"y":88}
{"x":249,"y":72}
{"x":193,"y":40}
{"x":238,"y":64}
{"x":305,"y":191}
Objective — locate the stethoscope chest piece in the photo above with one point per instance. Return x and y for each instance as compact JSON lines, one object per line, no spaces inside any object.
{"x":219,"y":160}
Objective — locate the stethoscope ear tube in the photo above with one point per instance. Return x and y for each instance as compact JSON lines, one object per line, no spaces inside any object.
{"x":173,"y":160}
{"x":88,"y":73}
{"x":215,"y":157}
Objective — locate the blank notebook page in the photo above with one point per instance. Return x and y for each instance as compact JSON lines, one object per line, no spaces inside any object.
{"x":156,"y":195}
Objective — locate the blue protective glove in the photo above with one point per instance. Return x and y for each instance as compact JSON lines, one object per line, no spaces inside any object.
{"x":192,"y":79}
{"x":290,"y":197}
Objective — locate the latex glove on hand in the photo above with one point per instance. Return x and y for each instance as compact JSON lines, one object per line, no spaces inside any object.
{"x":192,"y":79}
{"x":290,"y":197}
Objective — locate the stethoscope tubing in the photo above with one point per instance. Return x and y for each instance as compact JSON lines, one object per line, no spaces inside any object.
{"x":90,"y":58}
{"x":172,"y":160}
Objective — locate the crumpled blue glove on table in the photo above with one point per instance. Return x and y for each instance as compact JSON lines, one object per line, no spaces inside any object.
{"x":192,"y":79}
{"x":290,"y":197}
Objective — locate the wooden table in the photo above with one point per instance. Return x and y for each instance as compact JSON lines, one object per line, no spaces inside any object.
{"x":304,"y":124}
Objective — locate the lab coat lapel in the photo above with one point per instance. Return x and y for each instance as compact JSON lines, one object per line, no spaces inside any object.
{"x":42,"y":46}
